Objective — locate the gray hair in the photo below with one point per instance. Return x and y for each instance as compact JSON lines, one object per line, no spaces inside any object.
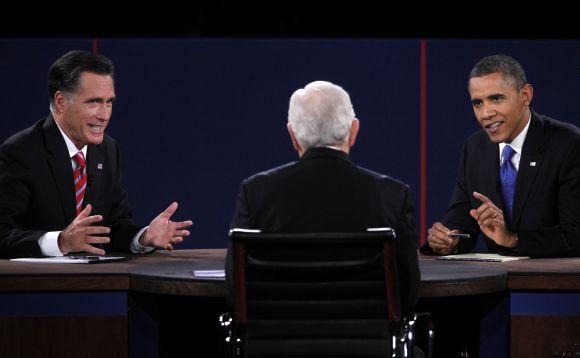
{"x":320,"y":114}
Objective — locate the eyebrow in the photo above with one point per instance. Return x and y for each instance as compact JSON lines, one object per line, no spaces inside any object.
{"x":491,"y":97}
{"x":99,"y":99}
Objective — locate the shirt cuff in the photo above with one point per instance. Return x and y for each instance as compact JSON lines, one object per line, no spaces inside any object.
{"x":136,"y":247}
{"x":49,"y":244}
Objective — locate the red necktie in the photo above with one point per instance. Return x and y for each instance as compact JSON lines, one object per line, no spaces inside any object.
{"x":80,"y":177}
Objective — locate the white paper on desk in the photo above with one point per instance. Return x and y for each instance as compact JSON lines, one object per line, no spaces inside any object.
{"x":70,"y":260}
{"x":482,"y":257}
{"x":209,"y":273}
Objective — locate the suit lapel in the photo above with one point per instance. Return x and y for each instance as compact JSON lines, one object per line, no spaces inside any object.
{"x":61,"y":167}
{"x":530,"y":163}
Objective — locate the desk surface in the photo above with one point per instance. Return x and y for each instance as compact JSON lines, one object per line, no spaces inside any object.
{"x":171,"y":273}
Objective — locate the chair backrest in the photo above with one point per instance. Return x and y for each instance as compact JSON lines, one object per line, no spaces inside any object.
{"x":316,"y":294}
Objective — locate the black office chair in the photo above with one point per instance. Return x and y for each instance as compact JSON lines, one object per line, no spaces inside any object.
{"x":318,"y":294}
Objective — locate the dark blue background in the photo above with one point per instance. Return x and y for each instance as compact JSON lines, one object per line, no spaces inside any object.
{"x":196,"y":116}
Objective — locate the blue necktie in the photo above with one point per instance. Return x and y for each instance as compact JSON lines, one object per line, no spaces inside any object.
{"x":508,"y":175}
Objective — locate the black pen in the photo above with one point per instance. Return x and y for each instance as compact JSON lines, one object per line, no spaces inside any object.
{"x":460,"y":236}
{"x":84,"y":257}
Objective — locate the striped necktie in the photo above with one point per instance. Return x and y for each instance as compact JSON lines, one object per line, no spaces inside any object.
{"x":80,"y":177}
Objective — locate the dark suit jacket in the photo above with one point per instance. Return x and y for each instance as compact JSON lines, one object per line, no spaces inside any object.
{"x":37,"y":190}
{"x":546,"y":208}
{"x":325,"y":192}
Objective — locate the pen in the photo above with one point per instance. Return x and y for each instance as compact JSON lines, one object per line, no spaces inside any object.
{"x":84,"y":257}
{"x":460,"y":236}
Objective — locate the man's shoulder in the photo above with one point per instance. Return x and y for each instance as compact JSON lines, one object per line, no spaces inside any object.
{"x":558,"y":129}
{"x":287,"y":170}
{"x":25,"y":136}
{"x":24,"y":141}
{"x":381,"y":178}
{"x":275,"y":172}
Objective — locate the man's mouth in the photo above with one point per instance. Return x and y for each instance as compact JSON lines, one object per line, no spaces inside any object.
{"x":95,"y":128}
{"x":494,"y":126}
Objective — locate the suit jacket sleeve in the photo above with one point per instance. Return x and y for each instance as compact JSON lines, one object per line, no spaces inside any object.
{"x":14,"y":200}
{"x":562,"y":239}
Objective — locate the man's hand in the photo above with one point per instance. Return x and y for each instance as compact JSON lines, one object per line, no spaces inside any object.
{"x":491,"y":222}
{"x":439,"y":239}
{"x":79,"y":235}
{"x":164,"y":233}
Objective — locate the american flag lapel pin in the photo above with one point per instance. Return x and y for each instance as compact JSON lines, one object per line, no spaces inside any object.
{"x":100,"y":165}
{"x":532,"y":164}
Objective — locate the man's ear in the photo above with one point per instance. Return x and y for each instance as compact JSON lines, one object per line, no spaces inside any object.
{"x":354,"y":127}
{"x":527,"y":94}
{"x":59,"y":101}
{"x":294,"y":140}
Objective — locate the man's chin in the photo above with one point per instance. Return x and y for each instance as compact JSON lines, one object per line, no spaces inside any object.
{"x":495,"y":137}
{"x":96,"y":140}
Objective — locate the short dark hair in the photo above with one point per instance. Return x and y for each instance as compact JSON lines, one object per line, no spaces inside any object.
{"x":511,"y":70}
{"x":64,"y":74}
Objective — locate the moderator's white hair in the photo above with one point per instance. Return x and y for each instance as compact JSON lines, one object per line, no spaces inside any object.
{"x":320,"y":114}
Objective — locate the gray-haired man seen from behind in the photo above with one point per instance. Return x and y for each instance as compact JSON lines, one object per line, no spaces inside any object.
{"x":323,"y":191}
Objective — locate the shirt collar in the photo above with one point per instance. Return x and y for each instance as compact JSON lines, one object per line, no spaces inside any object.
{"x":518,"y":143}
{"x":72,"y":149}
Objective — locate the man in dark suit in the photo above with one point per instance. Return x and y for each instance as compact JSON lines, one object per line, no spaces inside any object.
{"x":519,"y":178}
{"x":324,"y":191}
{"x":60,"y":180}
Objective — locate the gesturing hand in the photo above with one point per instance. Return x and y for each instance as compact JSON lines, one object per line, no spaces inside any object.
{"x":79,"y":235}
{"x":164,"y":233}
{"x":491,"y":221}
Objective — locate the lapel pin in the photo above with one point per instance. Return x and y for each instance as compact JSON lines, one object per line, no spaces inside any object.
{"x":100,"y":165}
{"x":532,"y":164}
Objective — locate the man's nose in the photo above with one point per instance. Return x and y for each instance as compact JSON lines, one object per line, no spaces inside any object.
{"x":488,"y":111}
{"x":104,"y":113}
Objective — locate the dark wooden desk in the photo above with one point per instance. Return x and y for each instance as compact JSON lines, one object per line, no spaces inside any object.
{"x":165,"y":278}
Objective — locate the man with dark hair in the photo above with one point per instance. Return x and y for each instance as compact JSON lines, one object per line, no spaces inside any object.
{"x":519,"y":178}
{"x":60,"y":180}
{"x":324,"y":191}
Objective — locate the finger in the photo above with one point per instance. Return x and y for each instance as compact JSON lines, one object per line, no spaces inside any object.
{"x":441,"y":240}
{"x":176,"y":240}
{"x":440,"y":227}
{"x":184,"y":224}
{"x":493,"y":221}
{"x":473,"y":213}
{"x":85,"y":212}
{"x":97,"y":240}
{"x":90,"y":220}
{"x":168,"y":247}
{"x":438,"y":246}
{"x":96,"y":230}
{"x":93,"y":250}
{"x":167,"y":213}
{"x":181,"y":233}
{"x":484,"y":199}
{"x":486,"y":213}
